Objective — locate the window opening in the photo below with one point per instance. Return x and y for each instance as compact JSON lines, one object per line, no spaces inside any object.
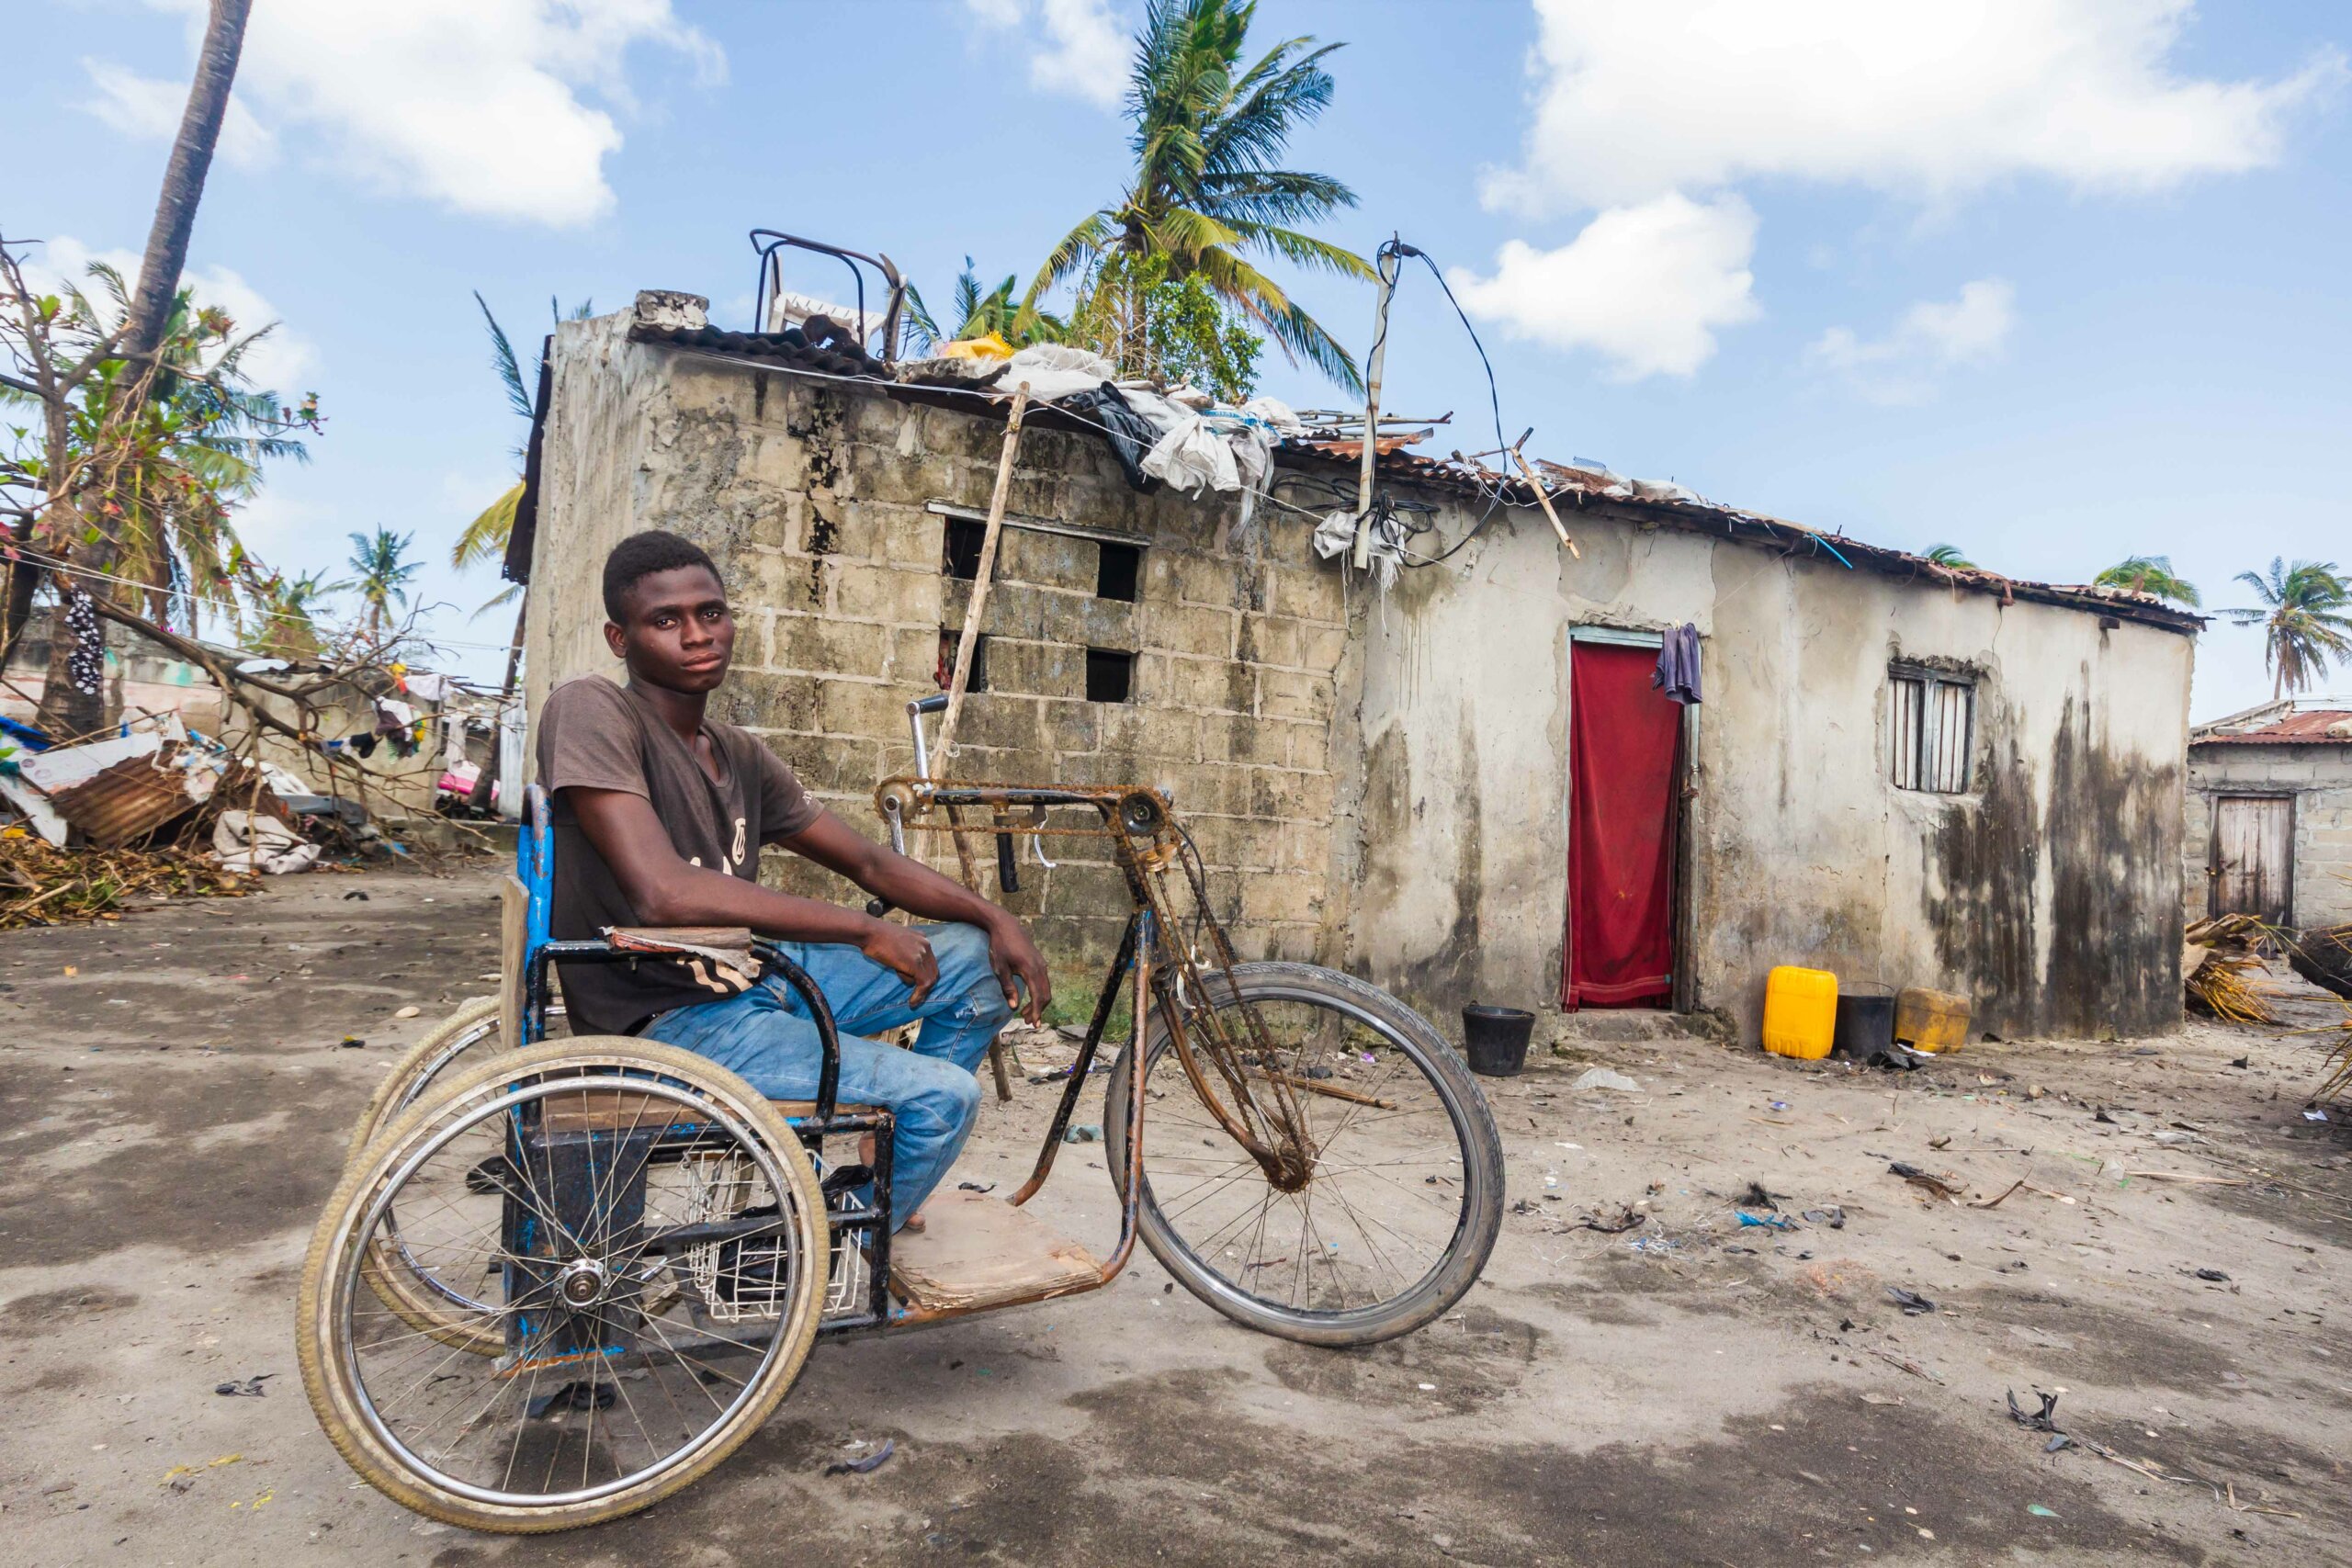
{"x":1931,"y":731}
{"x":948,"y":639}
{"x":1116,"y":576}
{"x":1110,"y":675}
{"x":961,"y":555}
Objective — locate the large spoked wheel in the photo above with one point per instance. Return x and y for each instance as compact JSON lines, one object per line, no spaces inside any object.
{"x":640,"y":1234}
{"x":462,"y":1040}
{"x":402,"y":1281}
{"x":1403,"y":1195}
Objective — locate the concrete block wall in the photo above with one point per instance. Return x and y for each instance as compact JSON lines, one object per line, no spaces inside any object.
{"x":813,"y":501}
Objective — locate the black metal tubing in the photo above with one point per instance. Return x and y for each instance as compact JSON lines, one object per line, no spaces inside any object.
{"x":961,"y":797}
{"x":1080,"y":1068}
{"x":777,"y":240}
{"x":829,"y":1039}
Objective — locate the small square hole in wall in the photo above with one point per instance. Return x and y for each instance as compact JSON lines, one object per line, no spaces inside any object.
{"x":961,"y":556}
{"x":948,"y":637}
{"x":1110,"y":675}
{"x":1121,"y":568}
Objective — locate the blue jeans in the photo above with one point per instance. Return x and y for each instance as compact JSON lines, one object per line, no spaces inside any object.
{"x":765,"y":1037}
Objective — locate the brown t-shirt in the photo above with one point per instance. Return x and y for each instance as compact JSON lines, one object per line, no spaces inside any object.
{"x":594,"y":735}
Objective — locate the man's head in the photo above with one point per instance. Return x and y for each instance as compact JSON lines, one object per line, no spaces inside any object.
{"x":667,"y":613}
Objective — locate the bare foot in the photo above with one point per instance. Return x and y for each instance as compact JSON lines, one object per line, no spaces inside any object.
{"x":915,"y":1222}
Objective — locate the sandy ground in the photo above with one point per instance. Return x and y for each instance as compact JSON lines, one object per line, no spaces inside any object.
{"x":174,"y":1102}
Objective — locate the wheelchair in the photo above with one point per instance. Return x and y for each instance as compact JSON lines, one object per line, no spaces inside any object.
{"x":562,"y":1279}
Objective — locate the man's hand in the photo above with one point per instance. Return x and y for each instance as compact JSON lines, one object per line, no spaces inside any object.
{"x":906,"y":952}
{"x":1015,"y":958}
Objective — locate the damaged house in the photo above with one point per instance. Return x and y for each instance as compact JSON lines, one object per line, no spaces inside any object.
{"x":1463,"y":783}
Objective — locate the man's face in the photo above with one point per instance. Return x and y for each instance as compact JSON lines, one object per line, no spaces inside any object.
{"x":677,"y":631}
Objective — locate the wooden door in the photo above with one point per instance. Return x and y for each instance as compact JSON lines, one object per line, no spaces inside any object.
{"x":2254,"y":856}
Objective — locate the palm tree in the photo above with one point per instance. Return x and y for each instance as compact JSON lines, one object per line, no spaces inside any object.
{"x":485,"y":538}
{"x":382,"y":582}
{"x":2303,"y":619}
{"x":2151,"y":575}
{"x":287,"y":610}
{"x":1208,"y":193}
{"x":147,"y":459}
{"x":1949,"y":555}
{"x":976,"y":313}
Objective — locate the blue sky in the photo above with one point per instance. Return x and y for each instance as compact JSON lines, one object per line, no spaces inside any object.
{"x":2053,"y":280}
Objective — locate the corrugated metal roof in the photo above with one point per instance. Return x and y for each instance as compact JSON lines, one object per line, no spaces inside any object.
{"x":1672,"y":505}
{"x":135,"y":795}
{"x":2314,"y":726}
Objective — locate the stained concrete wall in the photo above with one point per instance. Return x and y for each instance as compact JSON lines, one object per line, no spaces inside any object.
{"x":2320,"y":778}
{"x":1380,"y":779}
{"x":812,"y":500}
{"x":2048,"y":893}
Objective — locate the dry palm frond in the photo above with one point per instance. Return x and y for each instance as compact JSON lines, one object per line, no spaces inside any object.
{"x":2218,"y":987}
{"x":42,"y":886}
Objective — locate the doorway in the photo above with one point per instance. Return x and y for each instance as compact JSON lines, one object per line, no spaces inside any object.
{"x":2252,"y":857}
{"x":1625,"y":755}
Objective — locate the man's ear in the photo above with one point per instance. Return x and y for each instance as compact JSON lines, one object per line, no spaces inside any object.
{"x":616,"y":639}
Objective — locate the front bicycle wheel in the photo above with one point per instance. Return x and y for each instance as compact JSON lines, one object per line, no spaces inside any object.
{"x":1403,"y":1193}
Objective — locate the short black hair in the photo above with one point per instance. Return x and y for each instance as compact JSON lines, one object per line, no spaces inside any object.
{"x":640,"y":556}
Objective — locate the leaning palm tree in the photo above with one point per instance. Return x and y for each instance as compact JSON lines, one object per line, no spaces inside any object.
{"x":2304,"y":621}
{"x":1949,"y":555}
{"x":1208,"y":194}
{"x":380,"y":560}
{"x":2151,"y":575}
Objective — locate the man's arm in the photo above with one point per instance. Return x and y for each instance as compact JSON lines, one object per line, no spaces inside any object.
{"x":921,"y":891}
{"x":666,"y":891}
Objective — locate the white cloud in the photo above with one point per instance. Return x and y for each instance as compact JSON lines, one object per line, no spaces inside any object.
{"x":1645,"y":286}
{"x":284,"y":362}
{"x":477,"y":104}
{"x":1932,"y":336}
{"x":149,"y":107}
{"x":1638,"y":98}
{"x":1083,"y":51}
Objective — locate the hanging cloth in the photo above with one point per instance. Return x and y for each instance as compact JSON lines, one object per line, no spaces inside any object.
{"x":1623,"y":751}
{"x":85,"y":661}
{"x":1678,"y":664}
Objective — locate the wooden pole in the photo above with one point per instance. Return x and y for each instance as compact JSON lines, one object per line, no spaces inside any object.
{"x":966,"y":646}
{"x":981,"y":582}
{"x":1544,"y":496}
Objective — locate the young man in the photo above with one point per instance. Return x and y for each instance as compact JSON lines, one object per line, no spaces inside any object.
{"x":659,"y":816}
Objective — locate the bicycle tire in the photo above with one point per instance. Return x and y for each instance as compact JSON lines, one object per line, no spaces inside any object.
{"x":1473,"y":1126}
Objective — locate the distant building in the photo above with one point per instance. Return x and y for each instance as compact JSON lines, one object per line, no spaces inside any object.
{"x":2269,"y":824}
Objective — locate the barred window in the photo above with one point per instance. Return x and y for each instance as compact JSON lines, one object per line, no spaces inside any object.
{"x":1930,"y":730}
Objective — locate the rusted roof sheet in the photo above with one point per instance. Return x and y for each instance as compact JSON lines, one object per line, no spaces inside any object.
{"x":133,"y":797}
{"x":2314,"y":726}
{"x":1353,"y":451}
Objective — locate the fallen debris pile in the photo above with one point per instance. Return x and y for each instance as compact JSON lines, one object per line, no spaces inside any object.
{"x":2221,"y":958}
{"x":44,"y":886}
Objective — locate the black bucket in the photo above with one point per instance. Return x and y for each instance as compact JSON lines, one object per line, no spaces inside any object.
{"x":1494,"y":1039}
{"x":1865,"y":1020}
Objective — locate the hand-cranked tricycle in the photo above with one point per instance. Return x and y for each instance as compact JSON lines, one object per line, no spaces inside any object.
{"x":562,"y":1279}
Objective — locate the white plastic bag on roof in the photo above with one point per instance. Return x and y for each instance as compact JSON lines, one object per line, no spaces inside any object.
{"x":1057,"y":370}
{"x":1274,"y":413}
{"x":1194,"y":457}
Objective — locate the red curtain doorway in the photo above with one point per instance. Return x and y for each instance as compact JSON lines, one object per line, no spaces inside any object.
{"x":1624,"y":756}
